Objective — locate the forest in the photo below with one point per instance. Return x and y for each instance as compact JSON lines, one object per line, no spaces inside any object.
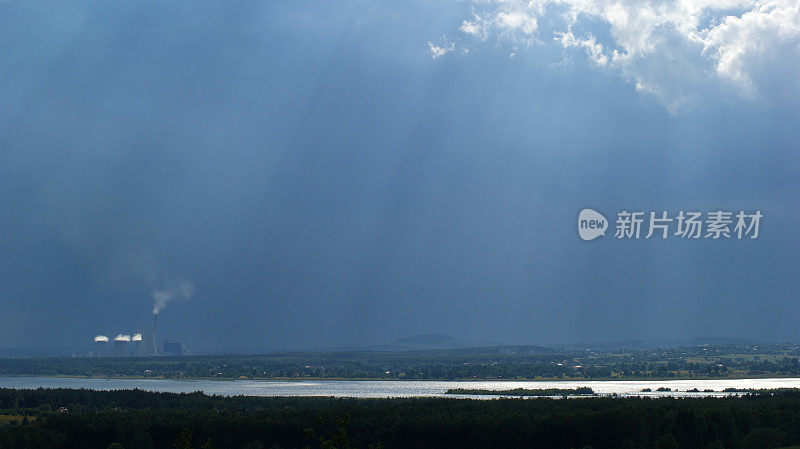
{"x":134,"y":419}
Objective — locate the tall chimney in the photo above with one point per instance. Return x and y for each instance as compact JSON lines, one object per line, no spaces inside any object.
{"x":155,"y":334}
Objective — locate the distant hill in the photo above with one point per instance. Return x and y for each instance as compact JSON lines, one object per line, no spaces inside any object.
{"x":719,"y":341}
{"x":646,"y":345}
{"x":428,"y":339}
{"x":424,"y":342}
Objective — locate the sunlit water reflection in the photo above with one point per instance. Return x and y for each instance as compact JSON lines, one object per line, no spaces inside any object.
{"x":394,"y":388}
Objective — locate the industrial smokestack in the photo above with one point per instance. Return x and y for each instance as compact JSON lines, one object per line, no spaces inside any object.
{"x":155,"y":333}
{"x":102,"y":345}
{"x":182,"y":289}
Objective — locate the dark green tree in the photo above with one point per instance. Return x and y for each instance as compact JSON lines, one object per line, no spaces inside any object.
{"x":185,"y":439}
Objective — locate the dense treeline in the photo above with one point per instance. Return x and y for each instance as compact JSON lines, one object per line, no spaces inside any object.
{"x":506,"y":362}
{"x":136,"y":419}
{"x":580,"y":391}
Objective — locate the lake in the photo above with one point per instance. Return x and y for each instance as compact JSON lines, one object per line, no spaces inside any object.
{"x":391,"y":388}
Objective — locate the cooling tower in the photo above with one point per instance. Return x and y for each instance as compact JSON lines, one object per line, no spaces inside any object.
{"x":121,"y":343}
{"x":102,"y":345}
{"x":137,"y":344}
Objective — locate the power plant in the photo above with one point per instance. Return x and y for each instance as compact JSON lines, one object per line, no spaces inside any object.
{"x":141,"y":343}
{"x":144,"y":342}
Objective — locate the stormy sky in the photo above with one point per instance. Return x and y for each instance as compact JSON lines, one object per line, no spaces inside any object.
{"x":304,"y":174}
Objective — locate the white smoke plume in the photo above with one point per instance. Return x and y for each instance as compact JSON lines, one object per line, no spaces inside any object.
{"x":180,"y":290}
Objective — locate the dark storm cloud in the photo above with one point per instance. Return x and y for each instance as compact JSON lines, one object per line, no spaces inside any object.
{"x":322,"y":181}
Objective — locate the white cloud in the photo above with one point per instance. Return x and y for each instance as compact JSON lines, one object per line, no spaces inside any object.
{"x":766,"y":35}
{"x":471,"y":28}
{"x":521,"y":20}
{"x":440,"y":48}
{"x":671,"y":49}
{"x":593,"y":49}
{"x":477,"y":27}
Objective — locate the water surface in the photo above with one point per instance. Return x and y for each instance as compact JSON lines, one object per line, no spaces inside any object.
{"x":391,"y":388}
